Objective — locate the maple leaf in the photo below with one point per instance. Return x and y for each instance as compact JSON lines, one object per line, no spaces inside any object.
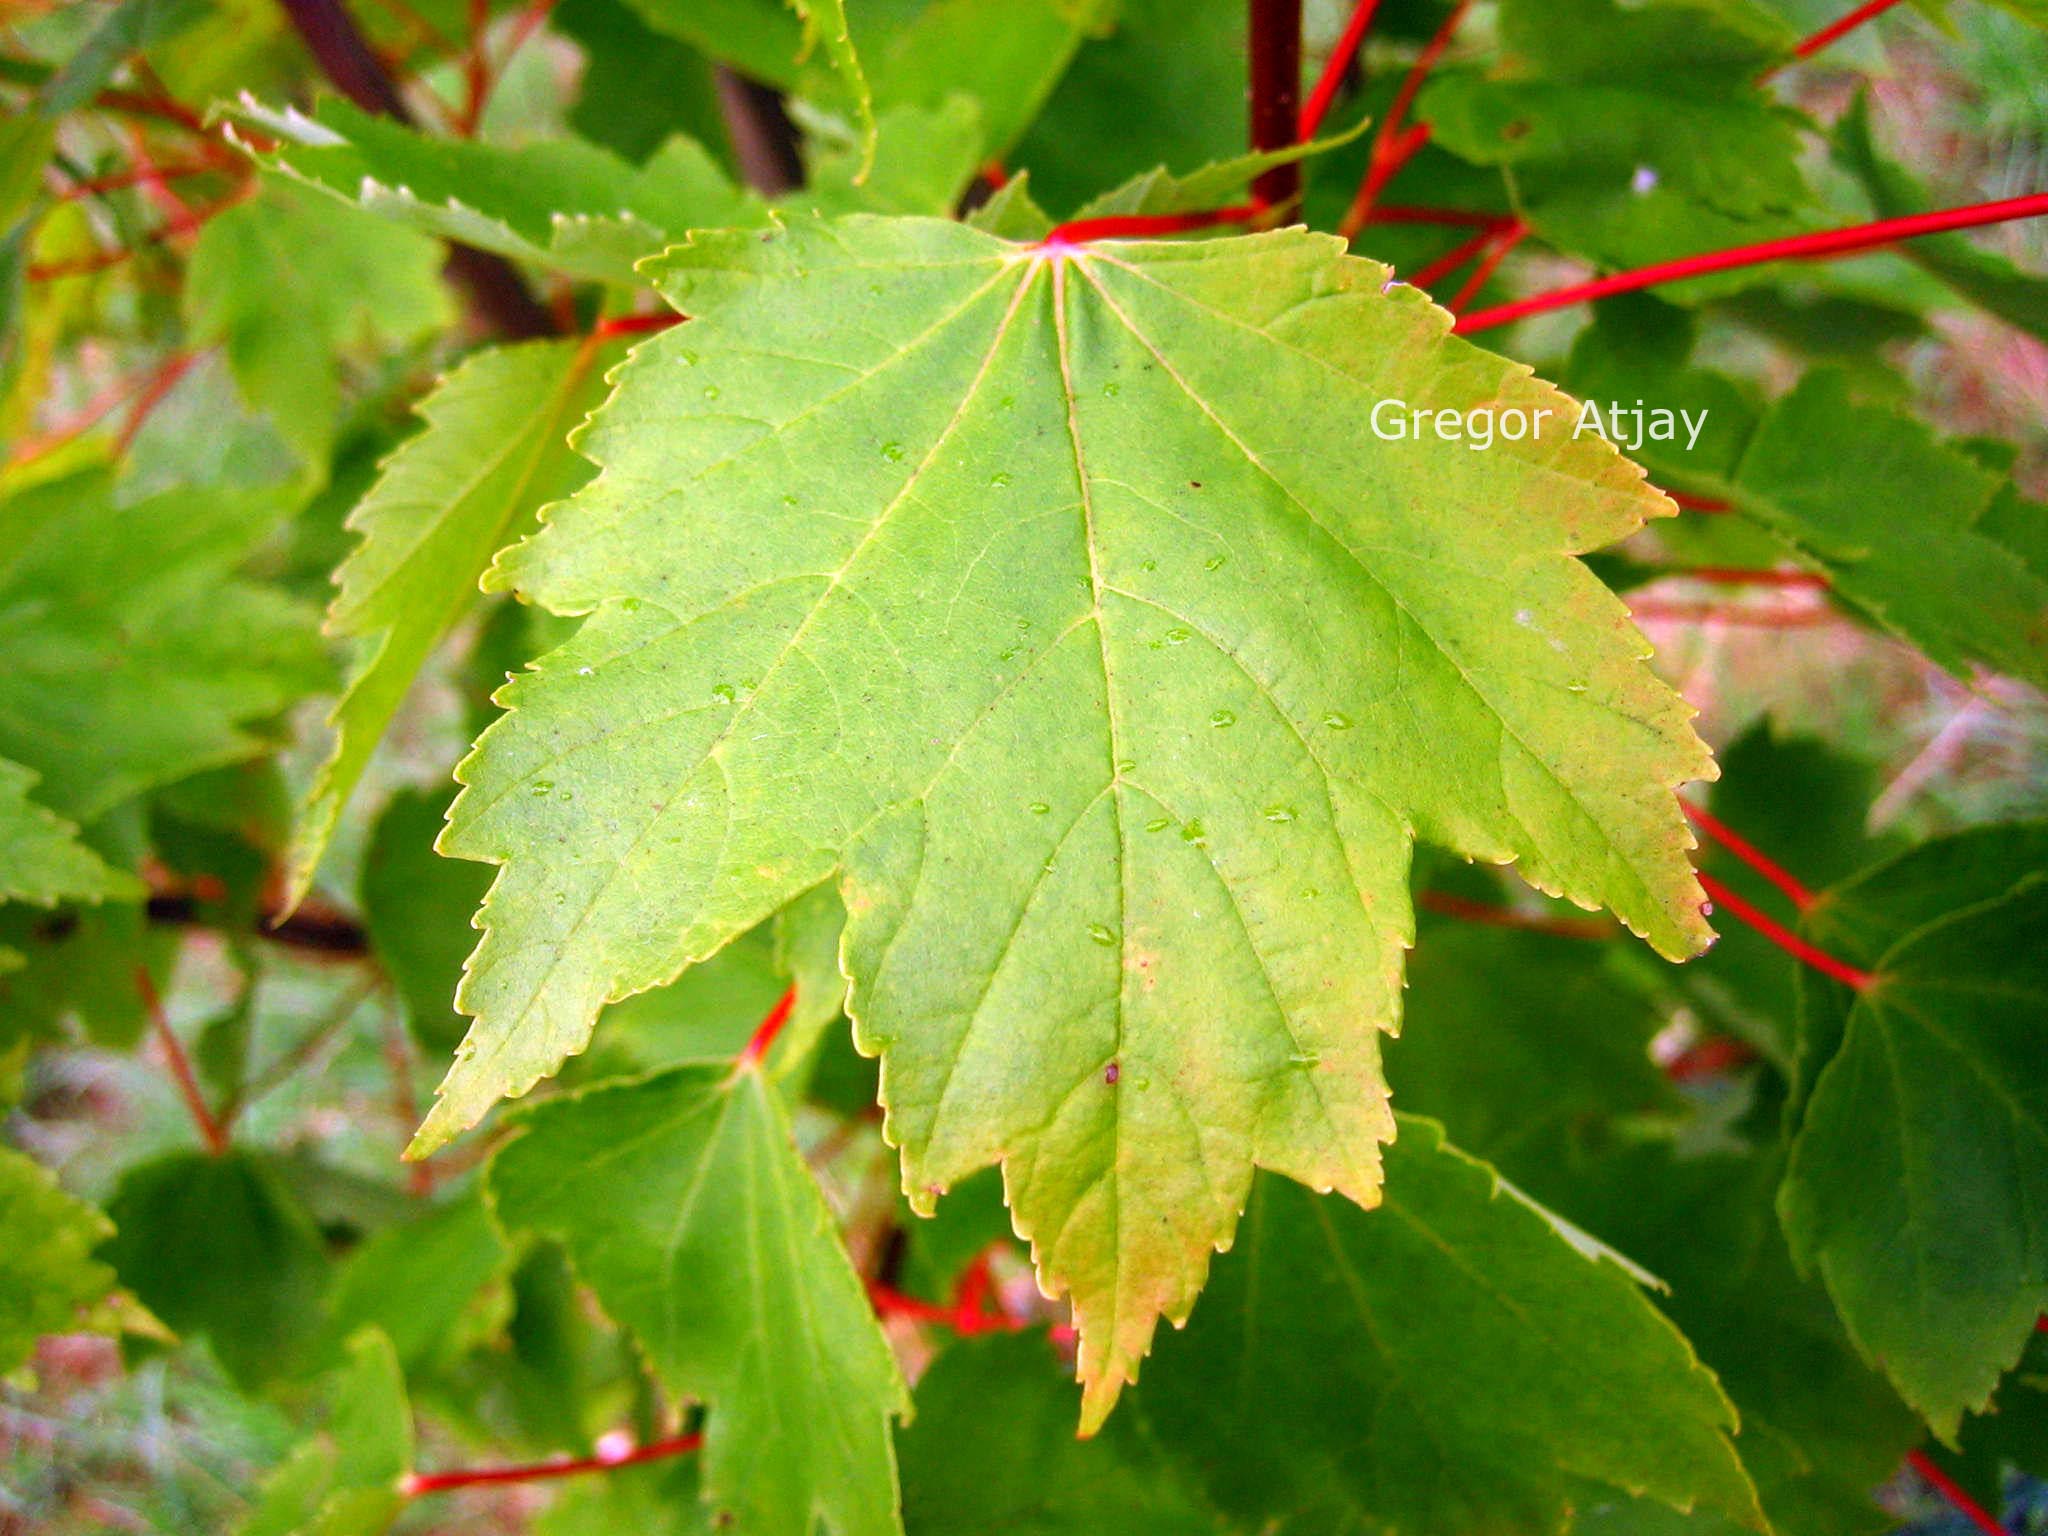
{"x":1064,"y":602}
{"x":493,"y":450}
{"x":41,"y":858}
{"x":1460,"y":1360}
{"x":50,"y":1282}
{"x":682,"y":1201}
{"x":1920,"y":1165}
{"x":135,"y":655}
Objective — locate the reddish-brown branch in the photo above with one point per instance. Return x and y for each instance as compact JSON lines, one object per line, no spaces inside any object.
{"x":1393,"y":144}
{"x":1466,"y":910}
{"x":1335,"y":68}
{"x":764,"y":1037}
{"x":1953,"y":1492}
{"x":1275,"y":96}
{"x":211,"y":1133}
{"x":1821,"y":243}
{"x":415,"y":1484}
{"x":1750,"y":854}
{"x":1507,"y":237}
{"x":1783,"y":937}
{"x":1139,"y":226}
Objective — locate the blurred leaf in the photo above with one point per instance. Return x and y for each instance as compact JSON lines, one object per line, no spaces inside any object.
{"x":684,"y":1204}
{"x":49,"y":1280}
{"x":345,"y":1480}
{"x":41,"y":858}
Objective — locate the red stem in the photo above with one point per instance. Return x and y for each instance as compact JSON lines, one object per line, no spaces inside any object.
{"x":1392,"y":146}
{"x":634,"y":325}
{"x":1952,"y":1491}
{"x":1275,"y":96}
{"x":1461,"y":907}
{"x":1510,"y":236}
{"x":1698,"y":503}
{"x":1751,"y":576}
{"x":1827,"y":242}
{"x":153,"y":394}
{"x":1835,"y":30}
{"x":210,"y":1129}
{"x":1750,"y":854}
{"x":770,"y":1027}
{"x":1783,"y":937}
{"x":138,"y":175}
{"x":1137,"y":226}
{"x":1648,"y":611}
{"x":1331,"y":80}
{"x":1453,"y":259}
{"x":414,"y":1484}
{"x":1709,"y":1058}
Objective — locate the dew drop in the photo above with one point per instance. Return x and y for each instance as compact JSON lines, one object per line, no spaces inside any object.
{"x":1148,"y":565}
{"x":710,"y":391}
{"x":1279,"y":813}
{"x":1214,"y":562}
{"x":1706,"y":909}
{"x":1101,"y":934}
{"x":1158,"y":823}
{"x":1112,"y":389}
{"x":1223,"y":719}
{"x":1111,"y":1073}
{"x":1142,"y":1084}
{"x":1178,"y":635}
{"x":1039,"y":808}
{"x":1336,"y":721}
{"x":1000,"y":478}
{"x":725,"y":691}
{"x":893,"y":452}
{"x":541,"y":787}
{"x":1192,"y":832}
{"x":582,"y":671}
{"x":630,"y":605}
{"x":1126,"y":765}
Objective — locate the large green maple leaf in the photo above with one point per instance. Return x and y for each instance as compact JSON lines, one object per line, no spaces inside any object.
{"x":1064,"y":602}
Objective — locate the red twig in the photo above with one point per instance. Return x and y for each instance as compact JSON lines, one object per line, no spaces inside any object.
{"x":1331,"y":80}
{"x":153,"y":394}
{"x":414,"y":1484}
{"x":1436,"y":271}
{"x":1828,"y":242}
{"x":1752,"y":576}
{"x":1138,"y":226}
{"x":1832,"y":32}
{"x":476,"y":69}
{"x":170,"y":229}
{"x":1750,"y":854}
{"x":770,"y":1027}
{"x":1467,"y":910}
{"x":1698,"y":503}
{"x":1783,"y":937}
{"x":1952,"y":1491}
{"x":211,"y":1132}
{"x":634,"y":325}
{"x":1509,"y":236}
{"x":1393,"y":145}
{"x":138,"y":175}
